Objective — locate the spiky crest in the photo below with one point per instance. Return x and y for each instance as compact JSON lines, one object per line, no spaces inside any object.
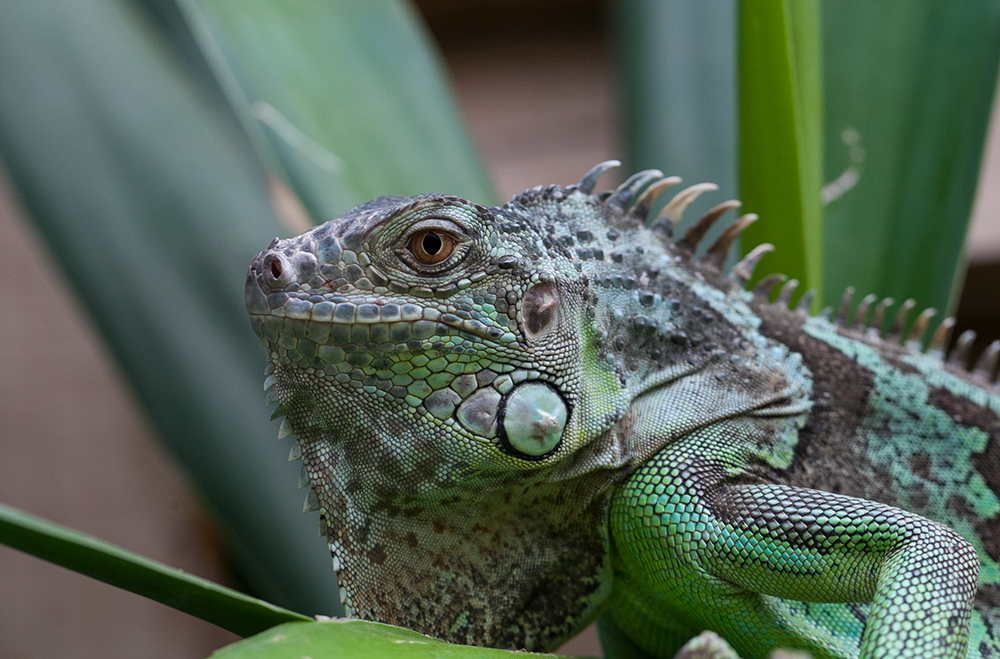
{"x":785,"y":293}
{"x":689,"y":241}
{"x":640,"y":210}
{"x":896,"y":331}
{"x":719,"y":250}
{"x":635,"y":197}
{"x":628,"y":191}
{"x":589,"y":180}
{"x":742,"y":272}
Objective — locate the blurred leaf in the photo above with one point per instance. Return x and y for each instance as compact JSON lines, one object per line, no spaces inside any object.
{"x":347,"y":97}
{"x":349,"y":639}
{"x":153,"y":203}
{"x":909,"y":85}
{"x":209,"y":601}
{"x":780,"y":133}
{"x":678,"y":76}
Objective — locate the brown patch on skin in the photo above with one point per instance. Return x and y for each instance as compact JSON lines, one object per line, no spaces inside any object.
{"x":411,"y":540}
{"x":828,"y":456}
{"x":989,"y":531}
{"x":439,"y":527}
{"x":988,"y":603}
{"x":479,"y":528}
{"x":439,"y":562}
{"x":377,"y":555}
{"x":988,"y":596}
{"x":893,"y":358}
{"x":986,"y":463}
{"x":919,"y":497}
{"x":921,"y":465}
{"x":986,"y":529}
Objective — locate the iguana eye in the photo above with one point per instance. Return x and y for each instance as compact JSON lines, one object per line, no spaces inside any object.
{"x":431,"y":246}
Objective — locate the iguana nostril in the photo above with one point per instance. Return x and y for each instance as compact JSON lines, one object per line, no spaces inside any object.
{"x":533,"y":419}
{"x":277,"y":271}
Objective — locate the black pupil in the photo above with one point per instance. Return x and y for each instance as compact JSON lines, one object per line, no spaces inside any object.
{"x":432,"y":243}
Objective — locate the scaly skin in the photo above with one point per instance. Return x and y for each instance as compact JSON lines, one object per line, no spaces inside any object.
{"x":515,"y":418}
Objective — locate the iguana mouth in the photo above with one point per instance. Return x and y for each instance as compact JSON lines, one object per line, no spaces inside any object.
{"x":349,"y":320}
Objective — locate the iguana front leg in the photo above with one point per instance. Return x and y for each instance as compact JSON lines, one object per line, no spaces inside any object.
{"x":714,"y":546}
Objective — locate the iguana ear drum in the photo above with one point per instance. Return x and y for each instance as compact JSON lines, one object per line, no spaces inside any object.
{"x":540,"y":310}
{"x":532,"y":418}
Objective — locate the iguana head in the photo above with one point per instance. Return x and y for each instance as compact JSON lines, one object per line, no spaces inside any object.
{"x":459,"y":378}
{"x":435,"y":310}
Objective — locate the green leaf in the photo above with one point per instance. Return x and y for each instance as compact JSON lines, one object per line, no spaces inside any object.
{"x":209,"y":601}
{"x":678,"y":65}
{"x":909,"y":85}
{"x":153,"y":202}
{"x":349,"y":639}
{"x":679,"y":96}
{"x":780,"y":133}
{"x":347,"y":98}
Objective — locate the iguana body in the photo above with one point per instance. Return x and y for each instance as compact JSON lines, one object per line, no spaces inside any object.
{"x":515,"y":418}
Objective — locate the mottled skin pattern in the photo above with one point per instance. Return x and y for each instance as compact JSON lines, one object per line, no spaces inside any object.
{"x":514,"y":419}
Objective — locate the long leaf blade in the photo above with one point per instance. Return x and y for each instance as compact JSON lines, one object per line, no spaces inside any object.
{"x":678,"y":65}
{"x":239,"y":613}
{"x":153,"y":203}
{"x":909,"y":84}
{"x":779,"y":101}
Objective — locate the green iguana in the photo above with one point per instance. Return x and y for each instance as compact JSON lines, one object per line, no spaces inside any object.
{"x":515,"y":419}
